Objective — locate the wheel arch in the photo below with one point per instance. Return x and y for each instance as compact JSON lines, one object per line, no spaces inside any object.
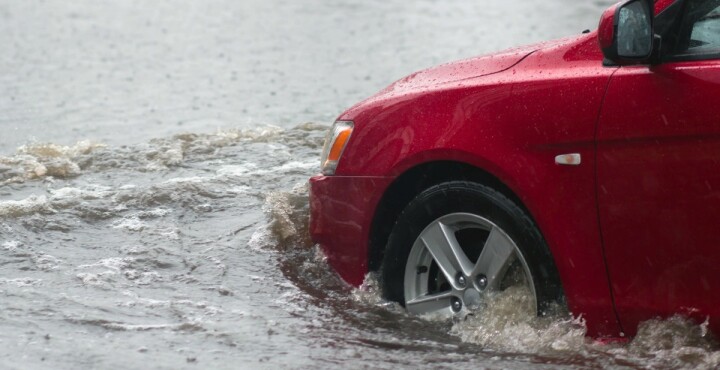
{"x":411,"y":183}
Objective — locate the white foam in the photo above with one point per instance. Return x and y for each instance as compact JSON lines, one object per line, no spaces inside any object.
{"x":184,"y":180}
{"x":296,"y":165}
{"x":34,"y":161}
{"x":142,"y":277}
{"x":113,"y":263}
{"x":95,"y":279}
{"x":676,"y":342}
{"x":260,"y":239}
{"x":237,"y":170}
{"x":58,"y":199}
{"x":369,"y":291}
{"x":22,"y":282}
{"x":30,"y":205}
{"x":50,"y":150}
{"x":130,"y":224}
{"x":11,"y":245}
{"x":169,"y":232}
{"x":71,"y":194}
{"x":45,"y":262}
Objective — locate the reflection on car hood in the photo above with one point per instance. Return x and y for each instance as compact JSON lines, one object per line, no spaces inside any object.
{"x":462,"y":70}
{"x":468,"y":68}
{"x":450,"y":73}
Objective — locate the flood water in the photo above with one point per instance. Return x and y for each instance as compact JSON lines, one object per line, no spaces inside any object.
{"x":153,"y":199}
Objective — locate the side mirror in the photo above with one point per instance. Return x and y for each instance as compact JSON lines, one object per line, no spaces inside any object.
{"x":626,"y":33}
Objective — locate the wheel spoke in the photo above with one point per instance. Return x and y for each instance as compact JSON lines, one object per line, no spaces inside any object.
{"x":446,"y":251}
{"x":430,"y":303}
{"x":495,"y":257}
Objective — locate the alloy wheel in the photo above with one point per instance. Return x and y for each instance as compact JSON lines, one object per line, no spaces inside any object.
{"x":457,"y":261}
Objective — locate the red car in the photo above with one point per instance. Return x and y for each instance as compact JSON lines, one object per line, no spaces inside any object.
{"x":588,"y":167}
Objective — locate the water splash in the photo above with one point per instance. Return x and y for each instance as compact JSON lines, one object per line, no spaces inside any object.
{"x":507,"y":322}
{"x":673,"y":343}
{"x":36,"y":161}
{"x":40,"y":160}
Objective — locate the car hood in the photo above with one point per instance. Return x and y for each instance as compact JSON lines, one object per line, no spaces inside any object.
{"x":462,"y":70}
{"x":447,"y":75}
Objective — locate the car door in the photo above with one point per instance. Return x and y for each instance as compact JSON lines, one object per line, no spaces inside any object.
{"x":658,"y":176}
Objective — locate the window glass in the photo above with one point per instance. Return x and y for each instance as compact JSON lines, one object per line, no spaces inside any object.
{"x":705,"y":29}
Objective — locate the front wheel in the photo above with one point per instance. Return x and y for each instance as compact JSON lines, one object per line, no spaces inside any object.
{"x":456,"y":242}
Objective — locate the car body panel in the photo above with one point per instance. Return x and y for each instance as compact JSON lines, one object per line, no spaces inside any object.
{"x":340,"y":218}
{"x":460,"y":70}
{"x":659,"y":190}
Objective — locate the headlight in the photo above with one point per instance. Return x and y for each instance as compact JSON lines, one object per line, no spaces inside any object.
{"x":335,"y":142}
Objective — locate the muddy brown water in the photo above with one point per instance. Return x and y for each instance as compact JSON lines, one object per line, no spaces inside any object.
{"x":153,"y":200}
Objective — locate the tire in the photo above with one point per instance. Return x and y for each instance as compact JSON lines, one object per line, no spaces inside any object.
{"x":457,"y":241}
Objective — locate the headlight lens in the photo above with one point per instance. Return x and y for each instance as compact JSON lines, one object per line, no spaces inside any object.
{"x":335,"y":142}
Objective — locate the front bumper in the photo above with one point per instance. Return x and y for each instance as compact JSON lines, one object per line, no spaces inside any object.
{"x":341,"y":213}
